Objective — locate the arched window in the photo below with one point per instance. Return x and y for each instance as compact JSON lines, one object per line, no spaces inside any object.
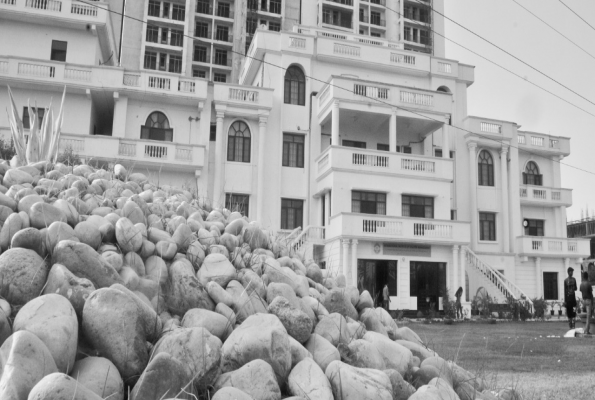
{"x":295,"y":86}
{"x":531,"y":176}
{"x":156,"y":127}
{"x":444,"y":89}
{"x":238,"y":142}
{"x":485,"y":169}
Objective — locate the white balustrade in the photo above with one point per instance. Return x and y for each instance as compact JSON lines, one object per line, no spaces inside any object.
{"x":332,"y":35}
{"x":490,"y":128}
{"x":157,"y":82}
{"x":572,"y":247}
{"x":418,"y":165}
{"x":127,"y":149}
{"x":50,"y":5}
{"x":83,"y":9}
{"x":370,"y":91}
{"x":554,"y":144}
{"x":523,"y":192}
{"x":77,"y":145}
{"x":131,"y":80}
{"x":370,"y":160}
{"x":8,"y":2}
{"x":298,"y":43}
{"x":77,"y":74}
{"x":186,"y":86}
{"x":369,"y":41}
{"x":183,"y":154}
{"x":154,"y":151}
{"x":540,"y":194}
{"x":382,"y":227}
{"x":346,"y":50}
{"x":402,"y":59}
{"x":554,"y":245}
{"x":417,"y":98}
{"x":250,"y":96}
{"x":521,"y":139}
{"x":537,"y":141}
{"x":432,"y":230}
{"x":536,"y":245}
{"x":3,"y":66}
{"x":444,"y":67}
{"x":44,"y":71}
{"x":556,"y":196}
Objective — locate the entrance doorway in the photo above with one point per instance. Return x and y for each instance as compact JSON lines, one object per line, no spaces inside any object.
{"x":372,"y":275}
{"x":428,"y":284}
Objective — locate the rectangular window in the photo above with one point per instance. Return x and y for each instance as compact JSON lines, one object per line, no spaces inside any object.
{"x":201,"y":30}
{"x":274,"y":26}
{"x":220,"y":57}
{"x":178,"y":12}
{"x":354,"y":143}
{"x":26,"y":120}
{"x":200,"y":54}
{"x":292,"y":212}
{"x":383,"y":147}
{"x":424,"y":37}
{"x":197,"y":73}
{"x":162,"y":61}
{"x":222,"y":33}
{"x":251,"y":26}
{"x":424,"y":15}
{"x":220,"y":78}
{"x":154,"y":8}
{"x":417,"y":206}
{"x":213,"y":133}
{"x":404,"y":149}
{"x":550,"y":286}
{"x":223,"y":10}
{"x":164,"y":34}
{"x":165,"y":10}
{"x":176,"y":38}
{"x":237,"y":202}
{"x":152,"y":34}
{"x":375,"y":18}
{"x":407,"y":32}
{"x":487,"y":226}
{"x":293,"y":150}
{"x":150,"y":60}
{"x":253,"y":5}
{"x":532,"y":179}
{"x":414,"y":38}
{"x":374,"y":34}
{"x":368,"y":202}
{"x":58,"y":50}
{"x":263,"y":5}
{"x":275,"y":6}
{"x":533,"y":227}
{"x":175,"y":64}
{"x":453,"y":215}
{"x":203,"y":7}
{"x":438,"y":153}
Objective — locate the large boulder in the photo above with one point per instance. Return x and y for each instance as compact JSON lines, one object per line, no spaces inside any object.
{"x":402,"y":389}
{"x":296,"y":322}
{"x":230,"y":393}
{"x":351,"y":383}
{"x":214,"y":322}
{"x":323,"y":352}
{"x":362,"y":354}
{"x":309,"y":381}
{"x":22,"y":275}
{"x":216,"y":267}
{"x":298,"y":352}
{"x":164,"y":376}
{"x":339,"y":301}
{"x":405,"y":333}
{"x":58,"y":386}
{"x":417,"y":349}
{"x":275,"y":289}
{"x":99,"y":375}
{"x":255,"y":378}
{"x":183,"y":291}
{"x":245,"y":304}
{"x":333,"y":328}
{"x":395,"y":356}
{"x":28,"y":238}
{"x":65,"y":283}
{"x":261,"y":336}
{"x":52,"y":318}
{"x":42,"y":215}
{"x":372,"y":322}
{"x":255,"y":237}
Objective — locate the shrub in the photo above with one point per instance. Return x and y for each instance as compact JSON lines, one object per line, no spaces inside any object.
{"x":540,"y":306}
{"x":7,"y":150}
{"x":69,"y":157}
{"x":449,"y":305}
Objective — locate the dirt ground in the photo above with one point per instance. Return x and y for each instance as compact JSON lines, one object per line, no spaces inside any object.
{"x":533,"y":357}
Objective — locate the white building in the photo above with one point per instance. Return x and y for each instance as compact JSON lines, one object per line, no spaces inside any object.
{"x":362,"y":142}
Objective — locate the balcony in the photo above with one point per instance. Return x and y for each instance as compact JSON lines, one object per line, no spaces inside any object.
{"x":378,"y":3}
{"x":242,"y":97}
{"x":491,"y":128}
{"x":155,"y":82}
{"x":405,"y":229}
{"x":540,"y":246}
{"x":544,"y":144}
{"x":375,"y":161}
{"x":545,"y":196}
{"x":186,"y":157}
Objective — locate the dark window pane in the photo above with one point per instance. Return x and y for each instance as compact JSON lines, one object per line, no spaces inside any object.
{"x":485,"y":170}
{"x":238,"y":144}
{"x":550,"y":286}
{"x":291,"y":213}
{"x":58,"y":50}
{"x":295,"y":86}
{"x":237,"y":202}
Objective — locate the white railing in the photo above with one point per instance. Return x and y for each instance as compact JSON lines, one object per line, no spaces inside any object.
{"x":309,"y":233}
{"x":418,"y":165}
{"x":369,"y":41}
{"x":498,"y":280}
{"x":523,"y":192}
{"x":444,"y":67}
{"x":157,"y":82}
{"x":432,"y":230}
{"x":572,"y":247}
{"x":521,"y":139}
{"x":131,"y":80}
{"x":346,"y":50}
{"x":77,"y":145}
{"x":382,"y":227}
{"x":298,"y":43}
{"x":183,"y":154}
{"x":77,"y":74}
{"x":417,"y":98}
{"x":536,"y":141}
{"x":83,"y":9}
{"x":554,"y":245}
{"x":44,"y":71}
{"x":9,"y":2}
{"x":332,"y":35}
{"x":370,"y":160}
{"x":326,"y":92}
{"x":490,"y":128}
{"x":323,"y":163}
{"x":557,"y":196}
{"x":153,"y":151}
{"x":370,"y":91}
{"x":540,"y":194}
{"x":50,"y":5}
{"x":554,"y":143}
{"x":402,"y":59}
{"x":536,"y":245}
{"x":3,"y":65}
{"x":250,"y":96}
{"x":127,"y":149}
{"x":186,"y":86}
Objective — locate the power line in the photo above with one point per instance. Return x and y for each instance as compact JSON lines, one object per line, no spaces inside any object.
{"x":371,"y":98}
{"x":572,"y":11}
{"x":507,"y":52}
{"x":557,"y":31}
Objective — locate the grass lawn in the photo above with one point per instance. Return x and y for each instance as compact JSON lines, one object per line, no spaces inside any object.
{"x":519,"y":355}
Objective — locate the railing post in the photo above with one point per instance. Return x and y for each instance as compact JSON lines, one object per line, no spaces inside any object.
{"x":353,"y":263}
{"x":455,"y":270}
{"x":538,"y":277}
{"x":261,"y":160}
{"x":335,"y":121}
{"x":392,"y":131}
{"x":473,"y":191}
{"x":345,"y":261}
{"x":218,"y":184}
{"x":504,"y":191}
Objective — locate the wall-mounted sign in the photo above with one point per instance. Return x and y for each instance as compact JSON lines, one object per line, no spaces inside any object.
{"x":377,"y":248}
{"x":407,"y":249}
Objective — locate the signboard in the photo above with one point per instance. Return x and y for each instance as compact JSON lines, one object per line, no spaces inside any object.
{"x":407,"y":249}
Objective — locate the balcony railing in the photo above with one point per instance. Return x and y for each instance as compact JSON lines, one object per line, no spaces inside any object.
{"x":544,"y":143}
{"x":50,"y":5}
{"x":344,"y":2}
{"x":548,"y":246}
{"x":546,"y":195}
{"x":250,"y":96}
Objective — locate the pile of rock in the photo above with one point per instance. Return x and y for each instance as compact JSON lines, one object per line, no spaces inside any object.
{"x":116,"y":289}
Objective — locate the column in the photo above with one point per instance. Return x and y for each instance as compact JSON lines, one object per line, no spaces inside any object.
{"x":327,"y":208}
{"x":219,"y":173}
{"x":392,"y":131}
{"x":345,"y":261}
{"x":455,"y":270}
{"x":120,"y":112}
{"x":354,"y":262}
{"x":561,"y":277}
{"x":504,"y":219}
{"x":262,"y":130}
{"x":562,"y":222}
{"x":462,"y":262}
{"x":335,"y":120}
{"x":557,"y":221}
{"x":538,"y":278}
{"x":473,"y":191}
{"x":445,"y":141}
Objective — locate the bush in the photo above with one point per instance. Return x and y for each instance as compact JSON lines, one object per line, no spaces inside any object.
{"x":7,"y":150}
{"x":69,"y":157}
{"x":449,"y":305}
{"x":540,"y":306}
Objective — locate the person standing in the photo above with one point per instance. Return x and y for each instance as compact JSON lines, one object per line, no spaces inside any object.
{"x":385,"y":297}
{"x":570,"y":297}
{"x":458,"y":306}
{"x":587,"y":291}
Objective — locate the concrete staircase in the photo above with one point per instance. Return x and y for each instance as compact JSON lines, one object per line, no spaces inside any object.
{"x":306,"y":239}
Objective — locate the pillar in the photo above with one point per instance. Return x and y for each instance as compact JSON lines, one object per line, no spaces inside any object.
{"x":445,"y":141}
{"x":561,"y":277}
{"x":473,"y":191}
{"x":462,"y":269}
{"x":505,"y":219}
{"x":392,"y":132}
{"x":327,"y":208}
{"x":335,"y":119}
{"x":354,"y":262}
{"x":262,"y":130}
{"x":218,"y":186}
{"x":455,"y":270}
{"x":345,"y":262}
{"x":562,"y":221}
{"x":538,"y":278}
{"x":120,"y":113}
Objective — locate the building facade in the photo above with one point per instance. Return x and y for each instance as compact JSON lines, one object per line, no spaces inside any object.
{"x":356,"y":148}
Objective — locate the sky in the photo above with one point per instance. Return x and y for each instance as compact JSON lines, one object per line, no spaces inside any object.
{"x":499,"y":94}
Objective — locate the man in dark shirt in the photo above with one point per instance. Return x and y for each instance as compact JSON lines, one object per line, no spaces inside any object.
{"x":570,"y":297}
{"x":587,"y":291}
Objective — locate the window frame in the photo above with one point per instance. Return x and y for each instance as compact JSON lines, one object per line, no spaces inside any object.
{"x":159,"y":129}
{"x":531,"y":175}
{"x":219,"y":77}
{"x":221,"y":57}
{"x":243,"y":202}
{"x":198,"y":52}
{"x":411,"y":203}
{"x":150,"y":58}
{"x":174,"y":64}
{"x":56,"y":53}
{"x":152,"y":34}
{"x":294,"y":89}
{"x":534,"y":227}
{"x":298,"y":213}
{"x":358,"y":207}
{"x":485,"y":169}
{"x":176,"y":38}
{"x":152,"y":7}
{"x":553,"y":287}
{"x":236,"y":150}
{"x":40,"y":111}
{"x":491,"y":227}
{"x":353,"y":143}
{"x":290,"y":146}
{"x":201,"y":29}
{"x":178,"y":12}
